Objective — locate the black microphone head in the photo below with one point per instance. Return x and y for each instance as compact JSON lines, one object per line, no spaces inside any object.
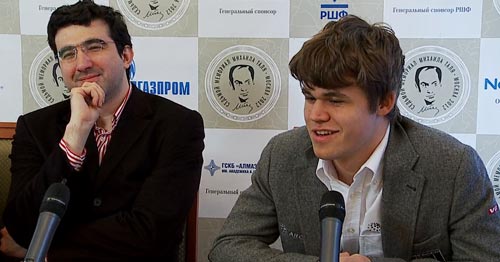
{"x":55,"y":199}
{"x":332,"y":205}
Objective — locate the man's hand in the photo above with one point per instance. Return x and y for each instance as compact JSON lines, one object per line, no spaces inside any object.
{"x":346,"y":257}
{"x":86,"y":102}
{"x":9,"y":247}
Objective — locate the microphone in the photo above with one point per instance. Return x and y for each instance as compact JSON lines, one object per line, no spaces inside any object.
{"x":331,"y":215}
{"x":53,"y":207}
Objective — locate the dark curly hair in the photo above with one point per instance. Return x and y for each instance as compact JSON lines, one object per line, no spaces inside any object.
{"x":83,"y":13}
{"x":351,"y":51}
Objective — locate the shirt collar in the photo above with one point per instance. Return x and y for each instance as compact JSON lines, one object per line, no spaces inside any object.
{"x":119,"y":110}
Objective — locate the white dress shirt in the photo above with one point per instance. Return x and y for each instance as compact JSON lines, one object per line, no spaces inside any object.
{"x":361,"y":231}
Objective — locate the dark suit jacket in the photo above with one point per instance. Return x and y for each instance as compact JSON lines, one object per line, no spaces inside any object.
{"x":132,"y":206}
{"x":436,"y":196}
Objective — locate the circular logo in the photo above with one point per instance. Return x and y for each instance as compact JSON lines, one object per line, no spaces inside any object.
{"x":493,"y":168}
{"x":242,"y":83}
{"x":133,"y":69}
{"x":155,"y":14}
{"x":435,"y":85}
{"x":496,"y":3}
{"x":45,"y":79}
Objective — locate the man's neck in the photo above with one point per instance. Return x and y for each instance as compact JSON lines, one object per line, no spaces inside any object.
{"x":347,"y":168}
{"x":110,"y":107}
{"x":105,"y":122}
{"x":346,"y":171}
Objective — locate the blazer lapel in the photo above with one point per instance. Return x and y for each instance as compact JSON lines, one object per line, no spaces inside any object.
{"x":130,"y":127}
{"x":92,"y":158}
{"x":401,"y":195}
{"x":308,"y":191}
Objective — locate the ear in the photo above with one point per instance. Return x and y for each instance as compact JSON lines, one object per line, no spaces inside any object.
{"x":387,"y":104}
{"x":127,"y":56}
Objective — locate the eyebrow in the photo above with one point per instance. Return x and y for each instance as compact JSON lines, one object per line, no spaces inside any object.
{"x":84,"y":42}
{"x":64,"y":48}
{"x":328,"y":93}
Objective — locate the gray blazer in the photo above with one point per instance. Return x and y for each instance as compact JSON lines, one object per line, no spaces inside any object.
{"x":436,"y":199}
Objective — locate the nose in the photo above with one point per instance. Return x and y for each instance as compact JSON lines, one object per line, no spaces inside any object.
{"x":83,"y":61}
{"x":317,"y":111}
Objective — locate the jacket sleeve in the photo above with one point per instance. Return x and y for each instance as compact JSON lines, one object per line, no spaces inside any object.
{"x":252,"y":224}
{"x":33,"y":170}
{"x":474,"y":227}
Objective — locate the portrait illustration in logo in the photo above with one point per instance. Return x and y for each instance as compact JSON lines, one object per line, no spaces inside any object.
{"x":241,"y":79}
{"x":45,"y":80}
{"x":242,"y":83}
{"x":153,"y":5}
{"x":153,"y":14}
{"x":59,"y":81}
{"x":435,"y":85}
{"x":428,"y":82}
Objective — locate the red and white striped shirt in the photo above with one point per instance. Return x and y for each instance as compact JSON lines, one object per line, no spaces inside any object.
{"x":102,"y":138}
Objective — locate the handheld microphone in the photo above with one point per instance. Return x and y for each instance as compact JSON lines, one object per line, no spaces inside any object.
{"x":331,"y":215}
{"x":53,"y":207}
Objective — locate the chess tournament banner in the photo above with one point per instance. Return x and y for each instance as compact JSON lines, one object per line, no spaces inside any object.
{"x":228,"y":59}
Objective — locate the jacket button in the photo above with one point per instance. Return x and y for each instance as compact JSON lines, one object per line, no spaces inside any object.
{"x":97,"y":202}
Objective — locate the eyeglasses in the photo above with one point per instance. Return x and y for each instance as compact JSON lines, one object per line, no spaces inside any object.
{"x":91,"y":46}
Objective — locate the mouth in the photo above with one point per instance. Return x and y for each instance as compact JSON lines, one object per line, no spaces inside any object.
{"x":323,"y":135}
{"x":323,"y":132}
{"x":88,"y":78}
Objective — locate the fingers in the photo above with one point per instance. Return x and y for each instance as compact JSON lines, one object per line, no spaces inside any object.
{"x":95,"y":93}
{"x":9,"y":247}
{"x":346,"y":257}
{"x":92,"y":93}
